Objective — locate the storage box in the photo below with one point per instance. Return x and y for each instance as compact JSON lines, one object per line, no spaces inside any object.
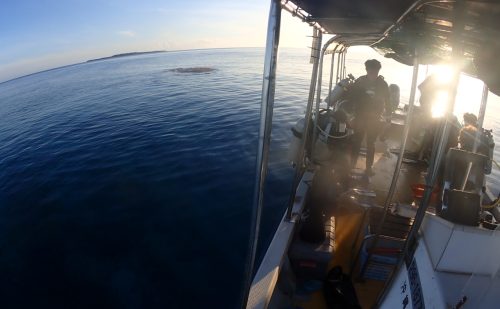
{"x":463,"y":207}
{"x":310,"y":260}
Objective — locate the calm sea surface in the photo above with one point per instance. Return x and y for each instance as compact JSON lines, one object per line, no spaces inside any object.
{"x":126,"y":185}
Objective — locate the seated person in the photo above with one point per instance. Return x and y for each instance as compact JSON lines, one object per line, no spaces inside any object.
{"x":472,"y":140}
{"x":464,"y":169}
{"x":470,"y":120}
{"x":468,"y":133}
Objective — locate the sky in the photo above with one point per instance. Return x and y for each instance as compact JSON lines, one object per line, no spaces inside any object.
{"x":37,"y":35}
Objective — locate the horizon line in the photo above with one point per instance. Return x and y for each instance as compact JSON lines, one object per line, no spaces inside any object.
{"x":132,"y":54}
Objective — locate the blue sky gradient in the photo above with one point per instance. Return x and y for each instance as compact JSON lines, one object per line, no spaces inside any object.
{"x":42,"y":34}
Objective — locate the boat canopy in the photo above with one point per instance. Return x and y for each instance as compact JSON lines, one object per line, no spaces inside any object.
{"x":398,"y":28}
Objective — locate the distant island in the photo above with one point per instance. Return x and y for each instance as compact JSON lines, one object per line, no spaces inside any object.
{"x":127,"y":55}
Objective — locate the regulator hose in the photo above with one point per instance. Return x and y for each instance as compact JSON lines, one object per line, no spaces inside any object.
{"x":495,"y":204}
{"x":332,"y":136}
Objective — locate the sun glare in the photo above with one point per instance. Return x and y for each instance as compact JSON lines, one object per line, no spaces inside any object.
{"x":439,"y":104}
{"x":444,"y":73}
{"x":468,"y":96}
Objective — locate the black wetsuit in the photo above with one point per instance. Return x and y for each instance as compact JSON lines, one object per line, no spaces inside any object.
{"x":370,"y":99}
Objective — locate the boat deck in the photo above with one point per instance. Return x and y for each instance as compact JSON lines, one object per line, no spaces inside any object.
{"x":350,"y":220}
{"x":384,"y":165}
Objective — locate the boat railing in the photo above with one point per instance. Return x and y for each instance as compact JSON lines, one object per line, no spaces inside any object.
{"x":300,"y":166}
{"x":266,"y":116}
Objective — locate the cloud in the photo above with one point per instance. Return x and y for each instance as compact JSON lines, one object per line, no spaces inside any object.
{"x":127,"y":33}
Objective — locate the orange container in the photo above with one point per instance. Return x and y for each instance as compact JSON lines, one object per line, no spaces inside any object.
{"x":419,"y":188}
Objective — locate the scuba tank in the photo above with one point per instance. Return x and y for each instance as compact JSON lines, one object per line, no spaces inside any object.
{"x":487,"y":141}
{"x":321,"y":151}
{"x":394,"y":96}
{"x":339,"y":90}
{"x":332,"y":131}
{"x":296,"y":143}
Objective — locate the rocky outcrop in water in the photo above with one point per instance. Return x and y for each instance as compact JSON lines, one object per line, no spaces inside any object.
{"x":193,"y":70}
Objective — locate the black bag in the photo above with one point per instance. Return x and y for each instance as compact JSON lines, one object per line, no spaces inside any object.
{"x":312,"y":229}
{"x":339,"y":291}
{"x":463,"y":207}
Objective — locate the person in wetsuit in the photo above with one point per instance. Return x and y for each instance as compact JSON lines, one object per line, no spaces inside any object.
{"x":468,"y":133}
{"x":370,"y":95}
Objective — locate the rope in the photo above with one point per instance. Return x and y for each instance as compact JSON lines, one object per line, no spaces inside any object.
{"x":495,"y":204}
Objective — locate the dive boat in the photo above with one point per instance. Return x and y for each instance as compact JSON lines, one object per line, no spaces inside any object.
{"x":412,"y":235}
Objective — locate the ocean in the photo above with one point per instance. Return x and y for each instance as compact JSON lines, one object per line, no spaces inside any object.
{"x":127,"y":184}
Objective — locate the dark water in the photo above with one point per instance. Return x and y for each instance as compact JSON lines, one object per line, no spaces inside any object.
{"x":126,"y":183}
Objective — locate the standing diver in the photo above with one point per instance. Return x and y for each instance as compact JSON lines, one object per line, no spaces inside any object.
{"x":370,"y":95}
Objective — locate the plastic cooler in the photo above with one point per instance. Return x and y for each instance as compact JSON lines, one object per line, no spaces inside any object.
{"x":310,"y":260}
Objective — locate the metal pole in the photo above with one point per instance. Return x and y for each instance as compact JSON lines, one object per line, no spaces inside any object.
{"x":298,"y":168}
{"x":482,"y":109}
{"x":430,"y":181}
{"x":404,"y":138}
{"x":480,"y":116}
{"x":318,"y":98}
{"x":466,"y":177}
{"x":477,"y":137}
{"x":457,"y":54}
{"x":331,"y":74}
{"x":318,"y":92}
{"x":266,"y":116}
{"x":397,"y":169}
{"x":432,"y":176}
{"x":409,"y":248}
{"x":337,"y":77}
{"x":343,"y":63}
{"x":331,"y":70}
{"x":341,"y":68}
{"x":480,"y":119}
